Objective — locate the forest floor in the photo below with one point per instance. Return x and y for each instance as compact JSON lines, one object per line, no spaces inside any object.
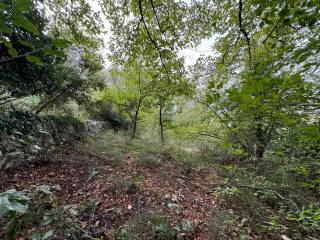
{"x":121,"y":192}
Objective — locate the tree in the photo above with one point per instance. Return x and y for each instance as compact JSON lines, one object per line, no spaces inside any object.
{"x":69,"y":84}
{"x":130,"y":88}
{"x":164,"y":92}
{"x":21,"y":73}
{"x":263,"y":79}
{"x":21,"y":19}
{"x":32,"y":54}
{"x":154,"y":32}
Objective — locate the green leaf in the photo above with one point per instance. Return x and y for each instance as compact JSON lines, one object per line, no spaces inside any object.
{"x":11,"y":50}
{"x":3,"y":210}
{"x":21,"y":5}
{"x":44,"y":188}
{"x":176,"y":207}
{"x":49,"y":51}
{"x":3,"y":27}
{"x":48,"y":234}
{"x":24,"y":142}
{"x":18,"y":207}
{"x":26,"y":43}
{"x":13,"y":201}
{"x":46,"y":220}
{"x":35,"y":60}
{"x":73,"y":211}
{"x":3,"y":5}
{"x":36,"y":147}
{"x":11,"y":229}
{"x":35,"y":236}
{"x":60,"y":43}
{"x":60,"y":54}
{"x":4,"y":201}
{"x":21,"y":21}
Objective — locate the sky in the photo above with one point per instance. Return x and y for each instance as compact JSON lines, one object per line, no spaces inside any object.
{"x":204,"y":49}
{"x":190,"y":54}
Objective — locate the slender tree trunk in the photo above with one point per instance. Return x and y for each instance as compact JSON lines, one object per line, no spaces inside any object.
{"x":135,"y":120}
{"x":261,"y":141}
{"x":161,"y":124}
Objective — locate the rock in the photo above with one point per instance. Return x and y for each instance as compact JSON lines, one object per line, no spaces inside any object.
{"x":95,"y":126}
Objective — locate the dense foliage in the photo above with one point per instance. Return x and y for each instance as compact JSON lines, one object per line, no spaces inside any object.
{"x":248,"y":109}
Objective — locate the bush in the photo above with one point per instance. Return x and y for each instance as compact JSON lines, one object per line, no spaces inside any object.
{"x":130,"y":186}
{"x":298,"y":149}
{"x":104,"y":111}
{"x":24,"y":135}
{"x":149,"y":160}
{"x":271,"y":208}
{"x":34,"y":213}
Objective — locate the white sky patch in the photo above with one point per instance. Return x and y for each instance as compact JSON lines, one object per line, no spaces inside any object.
{"x":104,"y":51}
{"x":203,"y":49}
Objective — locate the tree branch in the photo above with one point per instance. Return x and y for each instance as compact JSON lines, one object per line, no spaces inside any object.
{"x":243,"y":31}
{"x":21,"y":56}
{"x":150,"y":37}
{"x":155,"y":14}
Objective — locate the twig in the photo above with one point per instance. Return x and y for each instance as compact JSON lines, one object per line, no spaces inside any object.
{"x":21,"y":56}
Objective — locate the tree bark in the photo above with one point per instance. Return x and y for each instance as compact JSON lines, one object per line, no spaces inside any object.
{"x":161,"y":124}
{"x":135,"y":119}
{"x":261,"y":142}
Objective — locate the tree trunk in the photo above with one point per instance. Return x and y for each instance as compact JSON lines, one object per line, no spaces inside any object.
{"x":135,"y":120}
{"x":161,"y":124}
{"x":259,"y":151}
{"x":261,"y":142}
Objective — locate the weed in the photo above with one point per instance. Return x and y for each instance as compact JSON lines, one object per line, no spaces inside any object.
{"x":130,"y":186}
{"x":149,"y":160}
{"x":34,"y":213}
{"x":147,"y":226}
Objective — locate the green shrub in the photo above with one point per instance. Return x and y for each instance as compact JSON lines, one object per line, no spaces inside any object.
{"x":147,"y":226}
{"x":105,"y":111}
{"x":25,"y":134}
{"x":33,"y":213}
{"x":149,"y":160}
{"x":130,"y":186}
{"x":298,"y":149}
{"x":309,"y":217}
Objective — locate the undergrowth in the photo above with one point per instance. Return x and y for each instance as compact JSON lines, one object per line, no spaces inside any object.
{"x":119,"y":146}
{"x":256,"y":200}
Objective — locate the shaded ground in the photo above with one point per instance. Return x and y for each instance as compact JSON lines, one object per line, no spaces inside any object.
{"x":121,"y":192}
